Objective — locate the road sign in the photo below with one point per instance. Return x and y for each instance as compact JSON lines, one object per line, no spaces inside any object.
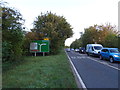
{"x":46,"y":38}
{"x":39,"y":46}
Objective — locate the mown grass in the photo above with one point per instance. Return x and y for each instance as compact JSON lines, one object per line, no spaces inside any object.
{"x":40,"y":72}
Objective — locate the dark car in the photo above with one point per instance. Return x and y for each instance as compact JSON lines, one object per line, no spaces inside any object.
{"x":119,"y":50}
{"x":112,"y":54}
{"x":76,"y":50}
{"x":68,"y":49}
{"x":82,"y":50}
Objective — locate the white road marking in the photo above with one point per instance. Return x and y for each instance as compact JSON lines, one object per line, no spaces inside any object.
{"x":77,"y":57}
{"x":80,"y":79}
{"x":104,"y":63}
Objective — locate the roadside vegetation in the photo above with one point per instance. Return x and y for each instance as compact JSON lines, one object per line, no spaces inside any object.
{"x":16,"y":41}
{"x":20,"y":70}
{"x":12,"y":34}
{"x":40,"y":72}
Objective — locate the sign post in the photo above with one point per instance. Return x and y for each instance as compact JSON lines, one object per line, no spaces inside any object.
{"x":35,"y":53}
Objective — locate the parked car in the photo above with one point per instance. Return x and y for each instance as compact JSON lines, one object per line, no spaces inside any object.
{"x":119,"y":50}
{"x":82,"y":50}
{"x":72,"y":49}
{"x":112,"y":54}
{"x":68,"y":49}
{"x":93,"y":49}
{"x":76,"y":50}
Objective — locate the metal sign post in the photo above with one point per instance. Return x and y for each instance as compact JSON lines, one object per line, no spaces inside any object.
{"x":43,"y":53}
{"x":35,"y":53}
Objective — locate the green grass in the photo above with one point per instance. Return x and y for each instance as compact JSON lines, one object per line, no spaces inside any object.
{"x":40,"y":72}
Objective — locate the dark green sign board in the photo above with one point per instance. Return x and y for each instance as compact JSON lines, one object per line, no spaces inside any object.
{"x":39,"y":46}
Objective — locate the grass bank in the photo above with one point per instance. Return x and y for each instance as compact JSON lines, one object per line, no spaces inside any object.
{"x":40,"y":72}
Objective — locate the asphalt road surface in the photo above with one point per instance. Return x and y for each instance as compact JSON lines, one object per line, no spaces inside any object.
{"x":96,"y":73}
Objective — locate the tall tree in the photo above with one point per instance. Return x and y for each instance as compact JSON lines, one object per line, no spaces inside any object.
{"x":89,"y":35}
{"x":56,"y":28}
{"x":76,"y":44}
{"x":103,"y":34}
{"x":12,"y":35}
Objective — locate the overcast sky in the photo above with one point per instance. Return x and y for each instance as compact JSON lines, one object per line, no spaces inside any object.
{"x":79,"y":13}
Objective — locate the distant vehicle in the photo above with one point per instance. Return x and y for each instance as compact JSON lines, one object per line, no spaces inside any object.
{"x":76,"y":50}
{"x":72,"y":49}
{"x":93,"y":49}
{"x":68,"y":49}
{"x":112,"y":54}
{"x":82,"y":50}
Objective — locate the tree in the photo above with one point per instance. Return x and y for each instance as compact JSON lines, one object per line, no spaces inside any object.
{"x":111,"y":40}
{"x":119,"y":41}
{"x":54,"y":27}
{"x":76,"y":44}
{"x":103,"y":34}
{"x":29,"y":37}
{"x":12,"y":34}
{"x":90,"y":36}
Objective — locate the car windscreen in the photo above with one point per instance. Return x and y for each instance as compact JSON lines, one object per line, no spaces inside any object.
{"x":97,"y":47}
{"x":114,"y":51}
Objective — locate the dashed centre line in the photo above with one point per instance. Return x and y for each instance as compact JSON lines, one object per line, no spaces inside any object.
{"x":78,"y":57}
{"x":101,"y":62}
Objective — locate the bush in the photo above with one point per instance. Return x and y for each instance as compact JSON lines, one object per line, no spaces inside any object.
{"x":12,"y":34}
{"x":6,"y":51}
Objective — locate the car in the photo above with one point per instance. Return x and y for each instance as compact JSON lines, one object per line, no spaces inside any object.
{"x":68,"y":49}
{"x":119,"y":50}
{"x":93,"y":49}
{"x":82,"y":50}
{"x":76,"y":50}
{"x":72,"y":49}
{"x":112,"y":54}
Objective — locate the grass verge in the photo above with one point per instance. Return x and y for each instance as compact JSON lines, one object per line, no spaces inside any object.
{"x":40,"y":72}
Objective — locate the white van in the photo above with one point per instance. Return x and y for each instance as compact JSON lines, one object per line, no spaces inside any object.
{"x":93,"y":49}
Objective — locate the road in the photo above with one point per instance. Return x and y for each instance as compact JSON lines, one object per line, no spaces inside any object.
{"x":96,"y":73}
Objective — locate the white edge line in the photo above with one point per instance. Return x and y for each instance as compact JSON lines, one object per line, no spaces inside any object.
{"x":80,"y":79}
{"x":104,"y":64}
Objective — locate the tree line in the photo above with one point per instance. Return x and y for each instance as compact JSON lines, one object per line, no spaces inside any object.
{"x":107,"y":35}
{"x":16,"y":41}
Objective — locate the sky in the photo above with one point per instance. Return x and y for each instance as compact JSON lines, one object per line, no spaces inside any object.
{"x":79,"y":14}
